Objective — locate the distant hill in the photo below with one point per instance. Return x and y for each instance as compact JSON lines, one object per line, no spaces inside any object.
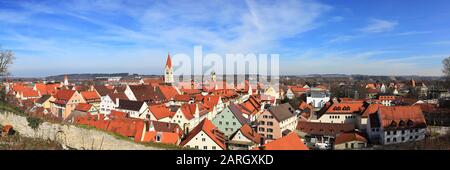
{"x":85,"y":76}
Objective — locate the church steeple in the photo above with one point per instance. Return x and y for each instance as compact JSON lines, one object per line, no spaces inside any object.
{"x":168,"y":61}
{"x":168,"y":71}
{"x":66,"y":80}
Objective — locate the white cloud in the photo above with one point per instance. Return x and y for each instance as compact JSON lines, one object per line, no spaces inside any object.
{"x":376,"y":62}
{"x":343,"y":38}
{"x":378,"y":25}
{"x":440,"y":42}
{"x":412,"y":33}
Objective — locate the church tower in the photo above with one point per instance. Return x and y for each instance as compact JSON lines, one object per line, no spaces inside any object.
{"x":413,"y":82}
{"x":168,"y":71}
{"x":66,"y":80}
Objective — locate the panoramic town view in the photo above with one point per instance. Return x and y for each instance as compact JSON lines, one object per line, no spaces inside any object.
{"x":234,"y":75}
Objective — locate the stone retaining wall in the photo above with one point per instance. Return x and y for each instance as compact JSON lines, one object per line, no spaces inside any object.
{"x":70,"y":135}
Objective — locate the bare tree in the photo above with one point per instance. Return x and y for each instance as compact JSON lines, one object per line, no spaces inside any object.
{"x":446,"y":70}
{"x":6,"y":59}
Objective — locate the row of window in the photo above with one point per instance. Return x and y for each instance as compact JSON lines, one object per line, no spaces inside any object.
{"x":227,"y":123}
{"x":402,"y":139}
{"x":267,"y":116}
{"x":403,"y":132}
{"x":261,"y":129}
{"x":268,"y":136}
{"x":231,"y":117}
{"x":346,"y":117}
{"x":230,"y":129}
{"x":204,"y":147}
{"x":264,"y":123}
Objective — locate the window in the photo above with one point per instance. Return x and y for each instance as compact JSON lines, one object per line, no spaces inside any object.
{"x":269,"y":137}
{"x":388,"y":139}
{"x":395,"y":132}
{"x":410,"y":137}
{"x":417,"y":130}
{"x":395,"y":139}
{"x":196,"y":147}
{"x":226,"y":123}
{"x":205,"y":147}
{"x":411,"y":131}
{"x":269,"y":130}
{"x":388,"y":132}
{"x":416,"y":137}
{"x":403,"y":139}
{"x":352,"y":145}
{"x":220,"y":122}
{"x":346,"y":145}
{"x":158,"y":138}
{"x":403,"y":132}
{"x":214,"y":147}
{"x":262,"y":123}
{"x":203,"y":139}
{"x":234,"y":123}
{"x":269,"y":123}
{"x":261,"y":129}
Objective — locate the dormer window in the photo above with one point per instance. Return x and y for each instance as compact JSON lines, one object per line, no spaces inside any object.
{"x":393,"y":123}
{"x":410,"y":123}
{"x":402,"y":123}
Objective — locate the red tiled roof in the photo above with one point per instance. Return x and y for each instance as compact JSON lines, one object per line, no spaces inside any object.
{"x":160,"y":111}
{"x":401,"y":117}
{"x":348,"y":137}
{"x":115,"y":96}
{"x":318,"y":128}
{"x":346,"y":108}
{"x":84,"y":107}
{"x":188,"y":110}
{"x":251,"y":106}
{"x":164,"y":137}
{"x":169,"y":92}
{"x":250,"y":134}
{"x":303,"y":105}
{"x":298,"y":89}
{"x":30,"y":93}
{"x":190,"y":91}
{"x":427,"y":107}
{"x":117,"y":115}
{"x":288,"y":142}
{"x":182,"y":98}
{"x":64,"y":94}
{"x":372,"y":108}
{"x":90,"y":95}
{"x":209,"y":129}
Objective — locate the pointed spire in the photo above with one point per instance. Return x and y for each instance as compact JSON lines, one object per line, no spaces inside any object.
{"x":169,"y":61}
{"x":66,"y":80}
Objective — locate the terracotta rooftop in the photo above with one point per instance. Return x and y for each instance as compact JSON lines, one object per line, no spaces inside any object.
{"x":289,"y":142}
{"x":209,"y":129}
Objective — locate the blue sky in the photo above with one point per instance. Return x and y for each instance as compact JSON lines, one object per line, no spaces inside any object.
{"x":326,"y":36}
